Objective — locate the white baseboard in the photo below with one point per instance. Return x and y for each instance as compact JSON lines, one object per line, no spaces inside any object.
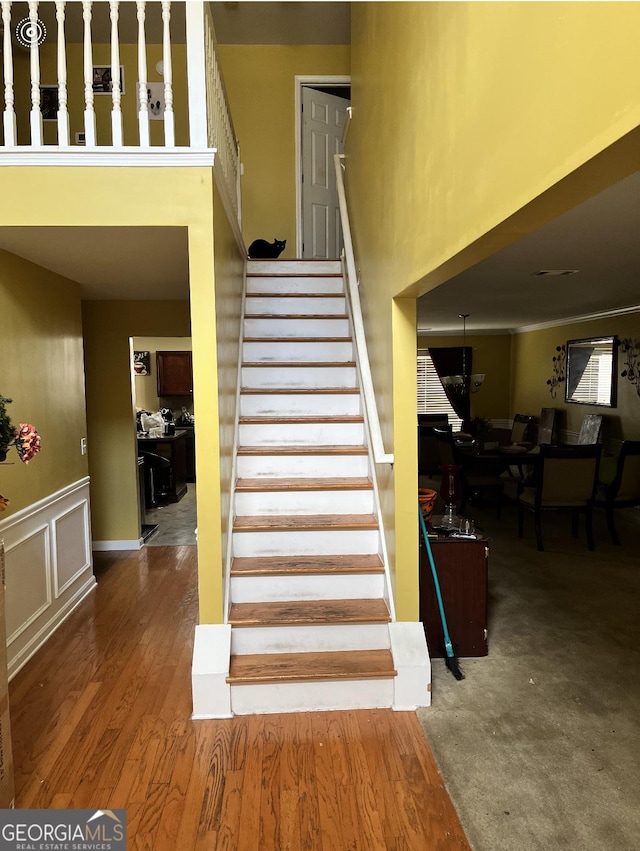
{"x":108,"y":546}
{"x":412,"y":686}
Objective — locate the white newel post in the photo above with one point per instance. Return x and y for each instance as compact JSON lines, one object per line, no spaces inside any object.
{"x":196,"y":74}
{"x":116,"y":94}
{"x":63,"y":112}
{"x":143,"y":100}
{"x":9,"y":115}
{"x":35,"y":116}
{"x":89,"y":113}
{"x":167,"y":73}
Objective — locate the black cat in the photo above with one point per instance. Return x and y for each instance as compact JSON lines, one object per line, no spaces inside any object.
{"x":260,"y":249}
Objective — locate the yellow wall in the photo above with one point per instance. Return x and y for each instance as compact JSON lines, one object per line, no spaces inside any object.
{"x":532,"y":365}
{"x":491,"y":355}
{"x":260,"y":82}
{"x":472,"y":125}
{"x":41,"y":369}
{"x":146,"y":386}
{"x":166,"y":197}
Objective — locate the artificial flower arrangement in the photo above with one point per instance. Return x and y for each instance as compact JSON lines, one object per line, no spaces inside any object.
{"x":25,"y":439}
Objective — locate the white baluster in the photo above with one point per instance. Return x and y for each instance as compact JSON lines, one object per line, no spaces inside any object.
{"x":116,"y":94}
{"x":167,"y":73}
{"x":143,"y":111}
{"x":9,"y":115}
{"x":63,"y":112}
{"x":35,"y":116}
{"x":89,"y":112}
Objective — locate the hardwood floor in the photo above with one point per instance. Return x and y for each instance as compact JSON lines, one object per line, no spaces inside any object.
{"x":101,"y":718}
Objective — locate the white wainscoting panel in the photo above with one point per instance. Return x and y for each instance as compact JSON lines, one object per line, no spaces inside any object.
{"x":48,"y":568}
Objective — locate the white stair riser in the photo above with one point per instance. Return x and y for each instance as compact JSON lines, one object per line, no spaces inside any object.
{"x":300,"y":405}
{"x":303,"y":502}
{"x":298,"y":284}
{"x":294,"y":267}
{"x":315,"y":586}
{"x":297,"y":352}
{"x":306,"y":377}
{"x":301,"y":434}
{"x":291,"y":543}
{"x":296,"y":466}
{"x":281,"y":305}
{"x":309,"y":639}
{"x":296,"y":327}
{"x":311,"y":696}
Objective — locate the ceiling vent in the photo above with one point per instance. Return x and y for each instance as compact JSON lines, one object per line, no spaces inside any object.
{"x":555,"y":272}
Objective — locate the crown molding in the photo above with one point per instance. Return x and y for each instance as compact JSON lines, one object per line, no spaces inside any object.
{"x":586,"y":317}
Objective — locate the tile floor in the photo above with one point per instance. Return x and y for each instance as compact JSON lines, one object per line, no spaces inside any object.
{"x":176,"y":522}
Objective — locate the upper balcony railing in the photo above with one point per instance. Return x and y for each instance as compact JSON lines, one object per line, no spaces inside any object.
{"x":97,"y":81}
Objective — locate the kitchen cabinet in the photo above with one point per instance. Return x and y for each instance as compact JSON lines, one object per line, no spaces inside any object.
{"x":462,"y":567}
{"x":174,"y":374}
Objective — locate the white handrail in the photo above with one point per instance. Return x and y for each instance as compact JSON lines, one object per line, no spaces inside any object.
{"x":368,"y":392}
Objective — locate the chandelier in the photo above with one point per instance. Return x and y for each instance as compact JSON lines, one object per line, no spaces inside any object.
{"x":465,"y":383}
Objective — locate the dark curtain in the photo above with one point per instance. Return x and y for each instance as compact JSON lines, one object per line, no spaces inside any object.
{"x":448,"y":361}
{"x":579,"y":357}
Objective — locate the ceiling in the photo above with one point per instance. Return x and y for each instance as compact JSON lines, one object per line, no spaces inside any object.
{"x":600,"y":238}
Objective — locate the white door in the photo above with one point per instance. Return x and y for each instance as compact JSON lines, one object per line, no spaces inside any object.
{"x":323,"y":117}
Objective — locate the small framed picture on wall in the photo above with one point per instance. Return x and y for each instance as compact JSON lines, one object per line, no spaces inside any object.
{"x":141,"y":363}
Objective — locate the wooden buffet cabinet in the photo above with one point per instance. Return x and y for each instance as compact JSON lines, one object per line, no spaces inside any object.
{"x":462,"y":568}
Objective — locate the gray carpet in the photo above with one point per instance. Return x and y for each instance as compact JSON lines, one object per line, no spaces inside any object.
{"x":540,"y":744}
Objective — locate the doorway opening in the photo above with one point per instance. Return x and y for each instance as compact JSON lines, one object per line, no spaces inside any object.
{"x":321,"y":115}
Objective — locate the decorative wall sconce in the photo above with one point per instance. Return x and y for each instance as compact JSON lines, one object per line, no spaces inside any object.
{"x":630,"y":350}
{"x":559,"y":370}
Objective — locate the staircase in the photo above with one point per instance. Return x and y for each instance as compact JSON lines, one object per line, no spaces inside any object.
{"x":308,"y":604}
{"x":310,"y":622}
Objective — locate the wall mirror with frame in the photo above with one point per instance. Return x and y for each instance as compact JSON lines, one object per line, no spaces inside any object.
{"x":592,"y":371}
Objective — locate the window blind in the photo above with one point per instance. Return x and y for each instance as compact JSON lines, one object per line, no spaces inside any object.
{"x":431,"y":396}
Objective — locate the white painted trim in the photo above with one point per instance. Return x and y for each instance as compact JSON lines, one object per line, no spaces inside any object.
{"x":112,"y":546}
{"x":227,"y":203}
{"x":359,"y":336}
{"x":17,"y":662}
{"x":50,"y":155}
{"x":209,"y":671}
{"x":234,"y":467}
{"x":300,"y":81}
{"x":35,"y":507}
{"x":587,"y":317}
{"x":412,"y":686}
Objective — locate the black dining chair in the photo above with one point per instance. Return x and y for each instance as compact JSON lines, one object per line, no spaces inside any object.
{"x":565,"y":479}
{"x":624,"y":490}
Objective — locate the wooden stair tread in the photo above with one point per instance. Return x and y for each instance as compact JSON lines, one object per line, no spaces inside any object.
{"x":297,"y":339}
{"x":297,"y":363}
{"x":295,"y":294}
{"x":297,"y":667}
{"x":294,"y":274}
{"x":295,"y":316}
{"x":290,"y":391}
{"x":309,"y":612}
{"x":303,"y":450}
{"x":296,"y":565}
{"x":303,"y":522}
{"x":304,"y":420}
{"x":299,"y":484}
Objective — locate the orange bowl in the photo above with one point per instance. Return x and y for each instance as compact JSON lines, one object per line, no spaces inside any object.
{"x":427,"y":499}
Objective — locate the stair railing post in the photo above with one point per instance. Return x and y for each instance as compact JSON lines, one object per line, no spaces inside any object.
{"x":116,"y":94}
{"x":196,"y":76}
{"x":143,"y":98}
{"x":89,"y":112}
{"x":167,"y":73}
{"x":9,"y":115}
{"x":35,"y":116}
{"x":63,"y":112}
